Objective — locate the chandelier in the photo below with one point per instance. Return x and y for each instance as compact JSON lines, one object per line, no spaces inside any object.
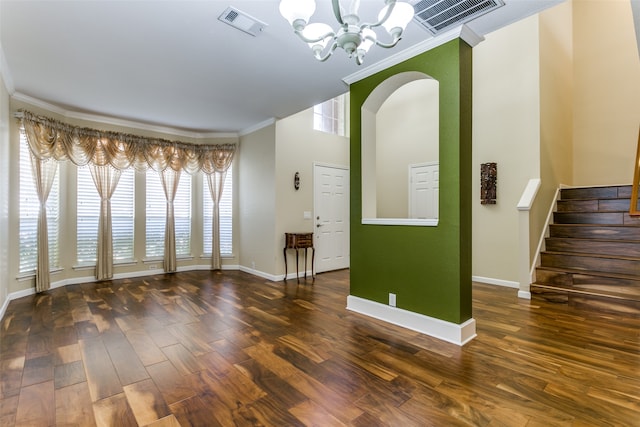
{"x":354,"y":37}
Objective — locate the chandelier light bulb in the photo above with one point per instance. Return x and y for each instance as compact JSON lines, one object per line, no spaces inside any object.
{"x":400,"y":17}
{"x":297,"y":10}
{"x":320,"y":33}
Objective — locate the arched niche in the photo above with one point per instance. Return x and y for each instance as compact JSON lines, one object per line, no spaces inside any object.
{"x":400,"y":137}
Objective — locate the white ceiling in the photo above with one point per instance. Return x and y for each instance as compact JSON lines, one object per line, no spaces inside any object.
{"x":173,"y":64}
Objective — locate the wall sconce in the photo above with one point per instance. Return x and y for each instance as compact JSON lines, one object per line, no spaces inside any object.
{"x":296,"y":181}
{"x":488,"y":181}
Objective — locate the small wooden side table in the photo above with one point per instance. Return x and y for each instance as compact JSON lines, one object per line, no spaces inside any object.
{"x":299,"y":241}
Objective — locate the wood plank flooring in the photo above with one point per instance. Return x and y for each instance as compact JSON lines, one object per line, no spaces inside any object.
{"x":230,"y":349}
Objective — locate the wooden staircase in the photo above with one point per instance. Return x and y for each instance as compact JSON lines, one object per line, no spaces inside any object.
{"x":592,"y":256}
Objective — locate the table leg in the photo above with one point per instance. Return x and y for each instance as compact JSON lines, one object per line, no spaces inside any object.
{"x":297,"y":274}
{"x":305,"y":264}
{"x":284,"y":251}
{"x":313,"y":256}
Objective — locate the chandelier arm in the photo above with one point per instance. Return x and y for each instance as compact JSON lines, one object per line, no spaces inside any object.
{"x":392,"y":4}
{"x":389,"y":45}
{"x":329,"y":52}
{"x":336,"y":11}
{"x":307,"y":40}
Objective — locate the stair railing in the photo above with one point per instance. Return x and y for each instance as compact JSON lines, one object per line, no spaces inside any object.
{"x":633,"y":205}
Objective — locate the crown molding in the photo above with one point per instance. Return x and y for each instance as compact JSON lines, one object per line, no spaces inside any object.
{"x":257,"y":127}
{"x":6,"y":73}
{"x":119,"y":122}
{"x":463,"y":32}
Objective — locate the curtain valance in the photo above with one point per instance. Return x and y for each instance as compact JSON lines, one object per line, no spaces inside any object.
{"x":52,"y":139}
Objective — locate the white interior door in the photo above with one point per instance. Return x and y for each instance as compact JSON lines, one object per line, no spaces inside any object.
{"x":331,"y":217}
{"x":423,"y":190}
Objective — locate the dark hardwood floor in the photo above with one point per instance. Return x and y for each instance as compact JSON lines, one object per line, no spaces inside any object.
{"x":224,"y":349}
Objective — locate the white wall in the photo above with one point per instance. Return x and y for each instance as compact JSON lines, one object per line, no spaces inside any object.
{"x":506,"y":130}
{"x":407,"y":132}
{"x":257,"y":204}
{"x":607,"y":92}
{"x":298,"y":146}
{"x":4,"y":192}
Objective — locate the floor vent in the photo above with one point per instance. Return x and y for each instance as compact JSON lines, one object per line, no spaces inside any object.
{"x":242,"y":21}
{"x":439,"y":15}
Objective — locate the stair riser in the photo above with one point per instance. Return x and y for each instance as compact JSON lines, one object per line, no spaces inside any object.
{"x":603,"y":218}
{"x":587,"y":263}
{"x":602,"y":232}
{"x":617,"y":248}
{"x":589,"y":283}
{"x":593,"y":303}
{"x":596,"y":192}
{"x":614,"y":205}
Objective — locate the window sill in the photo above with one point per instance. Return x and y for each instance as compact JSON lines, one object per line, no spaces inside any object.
{"x":223,"y":256}
{"x":31,"y":274}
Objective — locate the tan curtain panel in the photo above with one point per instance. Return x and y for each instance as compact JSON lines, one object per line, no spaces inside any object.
{"x":51,"y":139}
{"x":44,"y":173}
{"x":106,"y":179}
{"x":170,"y":180}
{"x":216,"y":185}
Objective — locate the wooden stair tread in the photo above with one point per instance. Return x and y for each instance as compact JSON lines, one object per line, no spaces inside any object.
{"x":580,"y":225}
{"x":588,"y":239}
{"x":591,"y":255}
{"x":589,"y":272}
{"x":600,"y":293}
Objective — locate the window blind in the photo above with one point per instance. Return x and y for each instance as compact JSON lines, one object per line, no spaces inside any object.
{"x":88,"y":211}
{"x":29,"y":208}
{"x":157,"y":214}
{"x":226,"y":216}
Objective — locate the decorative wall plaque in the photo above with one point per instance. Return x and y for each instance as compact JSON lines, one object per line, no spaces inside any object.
{"x":488,"y":180}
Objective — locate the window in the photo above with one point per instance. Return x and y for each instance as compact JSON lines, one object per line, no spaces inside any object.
{"x":226,"y":216}
{"x":29,"y":208}
{"x":182,"y":213}
{"x":157,"y":214}
{"x":330,"y":116}
{"x":88,"y":211}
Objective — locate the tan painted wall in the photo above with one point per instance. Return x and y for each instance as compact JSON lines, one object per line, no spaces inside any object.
{"x":68,"y":207}
{"x":607,"y":92}
{"x":506,"y":116}
{"x":298,"y":146}
{"x":257,"y":204}
{"x":4,"y":192}
{"x":556,"y":113}
{"x":406,"y":133}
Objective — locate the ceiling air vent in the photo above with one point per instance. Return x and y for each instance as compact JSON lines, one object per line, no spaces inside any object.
{"x":242,"y":21}
{"x":438,"y":15}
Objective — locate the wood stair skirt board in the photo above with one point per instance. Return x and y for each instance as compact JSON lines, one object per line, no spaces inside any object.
{"x":592,"y":255}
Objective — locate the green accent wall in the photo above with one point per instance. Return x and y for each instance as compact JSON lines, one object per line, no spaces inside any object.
{"x":428,"y":268}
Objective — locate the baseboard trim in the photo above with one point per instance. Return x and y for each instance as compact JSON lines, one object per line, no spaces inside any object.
{"x":262,"y":274}
{"x":497,"y":282}
{"x":437,"y":328}
{"x":524,"y":294}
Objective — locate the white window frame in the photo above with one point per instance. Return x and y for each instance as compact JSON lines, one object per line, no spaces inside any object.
{"x":330,"y":116}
